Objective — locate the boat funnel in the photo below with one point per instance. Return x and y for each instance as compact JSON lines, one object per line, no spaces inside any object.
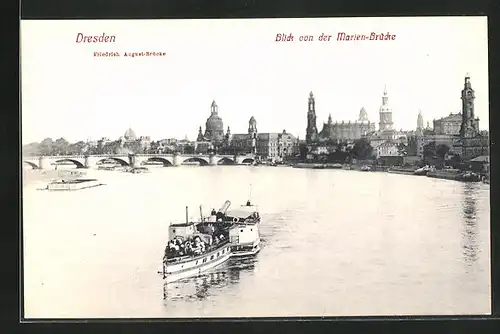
{"x":225,"y":206}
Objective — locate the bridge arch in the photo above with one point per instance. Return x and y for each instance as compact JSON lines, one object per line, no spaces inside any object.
{"x":29,"y":163}
{"x":226,"y":161}
{"x":118,"y":160}
{"x":76,"y":162}
{"x":166,"y":162}
{"x":248,"y":161}
{"x":202,"y":161}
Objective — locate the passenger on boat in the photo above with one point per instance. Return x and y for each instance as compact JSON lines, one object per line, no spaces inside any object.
{"x":213,"y":213}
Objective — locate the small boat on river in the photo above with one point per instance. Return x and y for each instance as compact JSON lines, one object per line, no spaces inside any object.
{"x":70,"y":181}
{"x":366,"y":168}
{"x":196,"y":247}
{"x":75,"y":184}
{"x":469,"y":176}
{"x":422,"y":170}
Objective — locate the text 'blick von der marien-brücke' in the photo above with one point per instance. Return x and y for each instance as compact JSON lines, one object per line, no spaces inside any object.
{"x":339,"y":37}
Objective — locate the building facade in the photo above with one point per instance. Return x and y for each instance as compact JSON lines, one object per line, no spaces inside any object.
{"x":388,"y":148}
{"x":449,"y":125}
{"x":265,"y":145}
{"x":346,"y":131}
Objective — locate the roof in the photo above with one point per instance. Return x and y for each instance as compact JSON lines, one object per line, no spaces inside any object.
{"x":388,"y":143}
{"x":451,"y":117}
{"x":268,"y":135}
{"x":240,"y":136}
{"x":482,"y":158}
{"x":243,"y":211}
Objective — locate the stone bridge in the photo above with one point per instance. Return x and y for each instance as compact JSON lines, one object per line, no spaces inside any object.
{"x":136,"y":160}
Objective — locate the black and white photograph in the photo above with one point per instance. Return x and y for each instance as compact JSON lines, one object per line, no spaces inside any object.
{"x":228,"y":168}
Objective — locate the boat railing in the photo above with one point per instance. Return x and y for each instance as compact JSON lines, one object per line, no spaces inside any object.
{"x":208,"y":250}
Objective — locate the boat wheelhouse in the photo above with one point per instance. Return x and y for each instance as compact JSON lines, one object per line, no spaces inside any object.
{"x":244,"y":235}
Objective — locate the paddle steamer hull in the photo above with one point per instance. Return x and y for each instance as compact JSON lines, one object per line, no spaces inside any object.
{"x":194,"y":266}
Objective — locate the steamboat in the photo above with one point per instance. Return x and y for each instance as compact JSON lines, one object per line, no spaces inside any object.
{"x":196,"y":247}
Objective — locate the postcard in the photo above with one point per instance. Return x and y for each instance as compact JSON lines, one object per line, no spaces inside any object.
{"x":255,"y":168}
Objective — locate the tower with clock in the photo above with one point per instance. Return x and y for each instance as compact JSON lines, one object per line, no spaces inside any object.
{"x":385,"y":113}
{"x":470,"y":124}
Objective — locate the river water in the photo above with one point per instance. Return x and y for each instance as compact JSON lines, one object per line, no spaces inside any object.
{"x":334,"y":243}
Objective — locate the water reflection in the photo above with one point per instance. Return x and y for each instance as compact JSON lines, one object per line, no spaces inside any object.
{"x":200,"y":287}
{"x":470,"y":247}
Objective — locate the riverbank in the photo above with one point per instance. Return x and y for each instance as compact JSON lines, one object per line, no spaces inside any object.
{"x":444,"y":174}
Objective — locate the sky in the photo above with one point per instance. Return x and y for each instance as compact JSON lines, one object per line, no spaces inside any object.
{"x":69,"y":93}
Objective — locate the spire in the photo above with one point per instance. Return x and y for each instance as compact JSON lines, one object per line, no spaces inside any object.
{"x":420,"y":120}
{"x":228,"y":135}
{"x":385,"y":97}
{"x":329,"y":119}
{"x":311,"y":94}
{"x":200,"y":135}
{"x":363,"y":115}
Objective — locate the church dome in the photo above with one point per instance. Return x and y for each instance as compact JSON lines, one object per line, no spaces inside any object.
{"x":214,"y":123}
{"x":129,"y":134}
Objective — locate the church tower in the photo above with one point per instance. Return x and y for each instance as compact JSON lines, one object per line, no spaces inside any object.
{"x":470,"y":124}
{"x":420,"y":121}
{"x":312,"y":130}
{"x":200,"y":135}
{"x":385,"y":113}
{"x":227,"y":138}
{"x":252,"y":135}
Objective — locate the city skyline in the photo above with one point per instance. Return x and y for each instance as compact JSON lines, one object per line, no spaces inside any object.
{"x":71,"y":94}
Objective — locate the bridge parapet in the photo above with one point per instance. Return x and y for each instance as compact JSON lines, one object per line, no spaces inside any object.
{"x":90,"y":161}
